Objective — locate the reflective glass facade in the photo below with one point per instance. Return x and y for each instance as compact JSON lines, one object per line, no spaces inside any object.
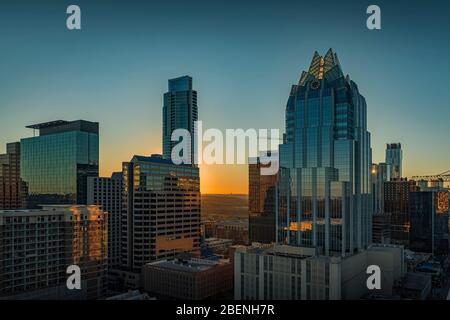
{"x":324,"y":186}
{"x":394,"y":157}
{"x":56,"y":164}
{"x":179,"y":112}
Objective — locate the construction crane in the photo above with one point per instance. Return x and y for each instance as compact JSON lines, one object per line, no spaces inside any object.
{"x":444,"y":176}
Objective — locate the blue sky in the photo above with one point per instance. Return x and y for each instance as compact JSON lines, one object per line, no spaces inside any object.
{"x":243,"y":56}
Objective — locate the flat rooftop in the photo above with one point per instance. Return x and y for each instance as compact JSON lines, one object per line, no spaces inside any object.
{"x":59,"y":126}
{"x":158,"y":159}
{"x":49,"y":124}
{"x":189,"y":265}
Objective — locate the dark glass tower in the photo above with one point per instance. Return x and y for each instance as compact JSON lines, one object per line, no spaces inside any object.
{"x":56,"y":163}
{"x":324,"y":188}
{"x":179,"y":112}
{"x":429,"y":212}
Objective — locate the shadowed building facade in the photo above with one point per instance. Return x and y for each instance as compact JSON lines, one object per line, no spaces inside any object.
{"x":188,"y":279}
{"x":429,"y":212}
{"x":396,"y":206}
{"x":13,"y":190}
{"x":324,"y":188}
{"x":107,"y":193}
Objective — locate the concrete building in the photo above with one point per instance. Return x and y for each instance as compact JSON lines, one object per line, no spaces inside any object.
{"x":188,"y":279}
{"x":13,"y":190}
{"x":37,"y":246}
{"x":208,"y":228}
{"x":236,"y":230}
{"x":283,"y":272}
{"x":107,"y":194}
{"x":380,"y":228}
{"x":161,"y":211}
{"x":216,"y":246}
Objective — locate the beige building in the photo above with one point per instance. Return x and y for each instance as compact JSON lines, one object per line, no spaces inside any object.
{"x":37,"y":247}
{"x":282,"y":272}
{"x":161,"y":211}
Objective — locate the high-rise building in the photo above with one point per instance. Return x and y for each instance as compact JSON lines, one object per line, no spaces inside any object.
{"x":57,"y":163}
{"x":179,"y":112}
{"x":13,"y":190}
{"x":324,"y":189}
{"x":429,"y":212}
{"x":381,"y":173}
{"x":37,"y":247}
{"x":380,"y":222}
{"x":261,"y":203}
{"x":394,"y":157}
{"x":107,"y":194}
{"x":161,"y":211}
{"x":396,"y":206}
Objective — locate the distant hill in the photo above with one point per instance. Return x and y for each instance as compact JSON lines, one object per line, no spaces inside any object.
{"x":224,"y":206}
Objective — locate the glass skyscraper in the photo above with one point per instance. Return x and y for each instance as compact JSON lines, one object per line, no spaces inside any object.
{"x":56,"y":164}
{"x":179,"y":112}
{"x":394,"y":157}
{"x":324,"y":185}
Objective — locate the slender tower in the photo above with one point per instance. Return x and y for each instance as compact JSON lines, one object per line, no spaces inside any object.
{"x":179,"y":112}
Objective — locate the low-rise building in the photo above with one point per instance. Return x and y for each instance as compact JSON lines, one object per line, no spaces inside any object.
{"x":236,"y":230}
{"x":215,"y":246}
{"x":189,"y":279}
{"x":282,"y":272}
{"x":416,"y":286}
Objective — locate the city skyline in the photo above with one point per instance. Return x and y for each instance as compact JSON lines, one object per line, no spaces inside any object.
{"x":224,"y":151}
{"x":251,"y":73}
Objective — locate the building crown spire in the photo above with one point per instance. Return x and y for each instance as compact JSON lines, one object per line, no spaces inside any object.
{"x":320,"y":66}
